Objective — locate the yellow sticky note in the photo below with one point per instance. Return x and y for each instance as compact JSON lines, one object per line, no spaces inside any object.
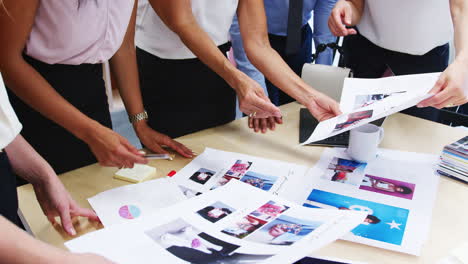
{"x":137,"y":174}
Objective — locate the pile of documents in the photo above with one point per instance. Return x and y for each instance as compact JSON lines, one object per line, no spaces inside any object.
{"x":454,"y":160}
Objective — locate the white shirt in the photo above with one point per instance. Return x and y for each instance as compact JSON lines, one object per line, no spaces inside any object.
{"x":152,"y":35}
{"x":408,"y":26}
{"x":9,"y":123}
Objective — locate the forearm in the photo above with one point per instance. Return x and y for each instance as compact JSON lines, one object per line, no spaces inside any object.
{"x":17,"y":247}
{"x":459,"y":10}
{"x":36,"y":92}
{"x":270,"y":63}
{"x":27,"y":163}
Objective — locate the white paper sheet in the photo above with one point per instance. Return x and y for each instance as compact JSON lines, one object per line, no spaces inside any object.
{"x":367,"y":100}
{"x":195,"y":231}
{"x":213,"y":168}
{"x":397,"y":189}
{"x":135,"y":201}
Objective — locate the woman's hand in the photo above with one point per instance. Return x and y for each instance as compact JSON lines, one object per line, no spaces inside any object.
{"x":321,"y":106}
{"x":55,"y":201}
{"x":111,"y":149}
{"x":451,"y":89}
{"x":263,"y":124}
{"x":155,"y":140}
{"x":252,"y":99}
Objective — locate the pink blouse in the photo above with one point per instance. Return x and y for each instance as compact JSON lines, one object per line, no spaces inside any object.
{"x":65,"y":34}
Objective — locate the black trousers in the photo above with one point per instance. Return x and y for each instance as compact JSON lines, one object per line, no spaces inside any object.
{"x":295,"y":62}
{"x":83,"y":87}
{"x":368,"y":60}
{"x":184,"y":96}
{"x":8,"y":195}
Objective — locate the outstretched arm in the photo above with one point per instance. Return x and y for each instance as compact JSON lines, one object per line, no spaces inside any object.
{"x":252,"y":20}
{"x":178,"y":16}
{"x":452,"y":87}
{"x":50,"y":192}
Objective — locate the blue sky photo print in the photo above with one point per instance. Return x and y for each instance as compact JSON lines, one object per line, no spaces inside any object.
{"x":389,"y":229}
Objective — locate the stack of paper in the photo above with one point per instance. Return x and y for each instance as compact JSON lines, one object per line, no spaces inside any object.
{"x":454,"y":160}
{"x":236,"y":223}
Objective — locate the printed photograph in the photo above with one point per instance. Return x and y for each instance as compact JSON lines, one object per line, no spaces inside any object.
{"x":215,"y":212}
{"x":368,"y":99}
{"x":384,"y":223}
{"x":269,"y":211}
{"x":202,"y":176}
{"x":244,"y":227}
{"x":388,"y":186}
{"x":285,"y":230}
{"x":222,"y":181}
{"x":189,"y":244}
{"x":353,"y":118}
{"x":238,"y":169}
{"x":258,"y":180}
{"x":344,"y":171}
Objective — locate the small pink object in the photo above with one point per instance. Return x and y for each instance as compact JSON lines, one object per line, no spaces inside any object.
{"x":196,"y":243}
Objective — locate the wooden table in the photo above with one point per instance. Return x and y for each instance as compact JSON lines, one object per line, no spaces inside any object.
{"x":406,"y":133}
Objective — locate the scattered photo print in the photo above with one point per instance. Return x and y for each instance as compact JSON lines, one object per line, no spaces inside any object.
{"x":189,"y":193}
{"x":202,"y":176}
{"x":383,"y":223}
{"x":244,"y":227}
{"x":215,"y":212}
{"x":388,"y":186}
{"x":368,"y":99}
{"x":189,"y":244}
{"x":353,"y":118}
{"x":344,"y":171}
{"x":238,"y":169}
{"x":269,"y":211}
{"x":285,"y":230}
{"x":222,"y":181}
{"x":258,"y":180}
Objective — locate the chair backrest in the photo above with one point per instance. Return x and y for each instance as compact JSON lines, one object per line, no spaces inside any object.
{"x":326,"y":79}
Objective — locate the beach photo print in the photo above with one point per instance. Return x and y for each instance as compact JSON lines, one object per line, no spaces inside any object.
{"x":344,"y":171}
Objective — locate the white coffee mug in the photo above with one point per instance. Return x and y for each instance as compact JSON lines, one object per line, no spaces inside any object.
{"x":364,"y":142}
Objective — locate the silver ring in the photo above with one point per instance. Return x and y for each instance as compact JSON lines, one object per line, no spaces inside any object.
{"x":252,"y":114}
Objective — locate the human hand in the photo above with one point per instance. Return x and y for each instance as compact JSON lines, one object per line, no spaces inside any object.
{"x":111,"y":149}
{"x":451,"y":89}
{"x":154,"y":140}
{"x":252,"y":99}
{"x":55,"y":200}
{"x":322,"y":107}
{"x":72,"y":258}
{"x":340,"y":17}
{"x":263,"y":124}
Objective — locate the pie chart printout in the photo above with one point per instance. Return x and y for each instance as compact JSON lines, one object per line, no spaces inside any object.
{"x":129,"y":212}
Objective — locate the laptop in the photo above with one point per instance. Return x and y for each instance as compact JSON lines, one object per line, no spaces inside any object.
{"x":307,"y":125}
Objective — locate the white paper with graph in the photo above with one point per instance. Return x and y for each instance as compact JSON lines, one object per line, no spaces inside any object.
{"x":236,"y":223}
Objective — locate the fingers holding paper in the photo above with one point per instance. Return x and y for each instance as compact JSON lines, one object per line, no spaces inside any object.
{"x":451,"y":89}
{"x":322,"y":107}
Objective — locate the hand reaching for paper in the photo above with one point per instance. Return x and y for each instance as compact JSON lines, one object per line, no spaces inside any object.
{"x":155,"y":140}
{"x":322,"y":107}
{"x":56,"y":201}
{"x":451,"y":89}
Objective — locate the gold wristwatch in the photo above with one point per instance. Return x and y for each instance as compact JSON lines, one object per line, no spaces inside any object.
{"x":138,"y":117}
